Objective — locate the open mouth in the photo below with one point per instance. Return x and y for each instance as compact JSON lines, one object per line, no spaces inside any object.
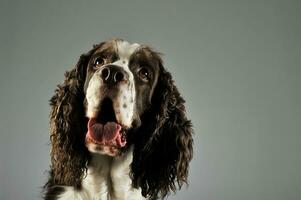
{"x":104,"y":130}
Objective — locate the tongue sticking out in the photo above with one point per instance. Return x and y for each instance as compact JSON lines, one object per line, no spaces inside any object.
{"x":109,"y":133}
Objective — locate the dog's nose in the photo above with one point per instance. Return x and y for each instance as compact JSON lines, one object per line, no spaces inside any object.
{"x":113,"y":74}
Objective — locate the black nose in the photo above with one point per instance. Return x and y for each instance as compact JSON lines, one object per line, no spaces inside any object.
{"x":113,"y":74}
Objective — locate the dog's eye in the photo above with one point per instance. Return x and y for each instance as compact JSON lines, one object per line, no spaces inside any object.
{"x":144,"y":74}
{"x":99,"y":61}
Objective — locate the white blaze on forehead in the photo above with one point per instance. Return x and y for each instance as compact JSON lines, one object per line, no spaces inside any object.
{"x":125,"y":100}
{"x":125,"y":49}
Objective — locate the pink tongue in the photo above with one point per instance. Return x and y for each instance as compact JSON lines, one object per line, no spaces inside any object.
{"x":103,"y":133}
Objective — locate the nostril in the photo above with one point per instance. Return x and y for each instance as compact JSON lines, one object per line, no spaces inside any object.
{"x":118,"y":76}
{"x":105,"y":73}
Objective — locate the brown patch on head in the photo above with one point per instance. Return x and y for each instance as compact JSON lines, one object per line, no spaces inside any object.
{"x":148,"y":56}
{"x":108,"y":46}
{"x":153,"y":58}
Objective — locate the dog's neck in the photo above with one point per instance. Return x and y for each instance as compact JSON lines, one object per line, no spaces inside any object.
{"x":108,"y":177}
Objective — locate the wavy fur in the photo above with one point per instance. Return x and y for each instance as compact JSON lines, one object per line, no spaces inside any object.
{"x":163,"y":149}
{"x":162,"y":145}
{"x":69,"y":155}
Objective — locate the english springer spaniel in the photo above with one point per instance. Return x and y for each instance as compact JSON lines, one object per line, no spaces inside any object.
{"x":118,"y":128}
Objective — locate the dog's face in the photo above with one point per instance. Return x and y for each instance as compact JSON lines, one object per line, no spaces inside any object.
{"x":120,"y":80}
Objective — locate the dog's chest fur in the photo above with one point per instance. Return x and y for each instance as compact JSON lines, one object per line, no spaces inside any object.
{"x":107,"y":179}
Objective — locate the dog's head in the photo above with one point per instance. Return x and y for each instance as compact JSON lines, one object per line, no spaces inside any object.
{"x":120,"y":95}
{"x":120,"y":78}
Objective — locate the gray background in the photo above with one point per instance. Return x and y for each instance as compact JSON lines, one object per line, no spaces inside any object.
{"x":237,"y":63}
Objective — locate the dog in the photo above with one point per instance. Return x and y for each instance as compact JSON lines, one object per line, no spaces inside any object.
{"x":118,"y":127}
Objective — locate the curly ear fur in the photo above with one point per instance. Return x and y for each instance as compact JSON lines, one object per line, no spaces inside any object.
{"x":67,"y":128}
{"x":163,"y":148}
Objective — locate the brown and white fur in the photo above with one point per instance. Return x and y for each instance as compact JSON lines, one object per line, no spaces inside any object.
{"x":118,"y":128}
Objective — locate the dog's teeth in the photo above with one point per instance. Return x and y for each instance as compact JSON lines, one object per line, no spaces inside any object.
{"x":123,"y":138}
{"x":123,"y":135}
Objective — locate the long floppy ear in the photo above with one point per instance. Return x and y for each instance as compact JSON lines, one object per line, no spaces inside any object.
{"x":163,"y":148}
{"x":68,"y":127}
